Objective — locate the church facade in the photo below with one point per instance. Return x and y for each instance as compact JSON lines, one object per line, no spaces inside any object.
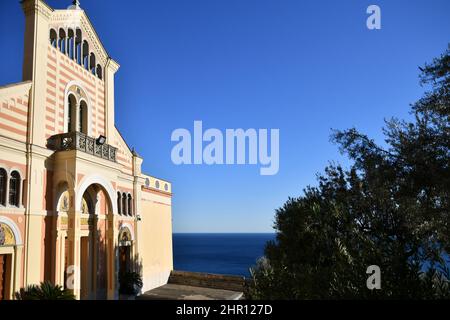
{"x":75,"y":207}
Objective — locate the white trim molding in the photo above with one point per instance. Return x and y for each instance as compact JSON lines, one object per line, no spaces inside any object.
{"x":100,"y":180}
{"x":14,"y":228}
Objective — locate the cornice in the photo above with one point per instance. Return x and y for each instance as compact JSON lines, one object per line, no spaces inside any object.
{"x":112,"y":65}
{"x":39,"y":6}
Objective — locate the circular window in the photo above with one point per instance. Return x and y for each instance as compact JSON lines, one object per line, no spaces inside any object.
{"x":147,"y":182}
{"x":157,"y":184}
{"x":166,"y":187}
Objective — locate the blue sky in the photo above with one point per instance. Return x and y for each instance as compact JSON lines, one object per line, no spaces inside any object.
{"x":301,"y":66}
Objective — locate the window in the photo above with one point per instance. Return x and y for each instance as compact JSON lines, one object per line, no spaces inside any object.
{"x":14,"y":189}
{"x":130,"y":205}
{"x":53,"y":38}
{"x":119,"y":202}
{"x":77,"y":112}
{"x":99,"y":72}
{"x":92,"y":63}
{"x":70,"y":44}
{"x":62,"y":40}
{"x":78,"y":46}
{"x":85,"y":55}
{"x":3,"y":177}
{"x":82,"y":122}
{"x":71,"y":114}
{"x":124,"y":203}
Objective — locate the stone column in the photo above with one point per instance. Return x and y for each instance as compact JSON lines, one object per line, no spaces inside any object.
{"x":56,"y":249}
{"x":18,"y":251}
{"x":112,"y":257}
{"x":95,"y":244}
{"x":60,"y":262}
{"x":77,"y":115}
{"x":73,"y":236}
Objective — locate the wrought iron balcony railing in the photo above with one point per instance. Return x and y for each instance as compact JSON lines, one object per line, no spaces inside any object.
{"x":80,"y":141}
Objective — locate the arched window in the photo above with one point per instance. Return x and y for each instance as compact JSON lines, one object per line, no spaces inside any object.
{"x":99,"y":72}
{"x":130,"y":205}
{"x":124,"y":204}
{"x":85,"y":55}
{"x":3,"y":179}
{"x":14,"y":189}
{"x":92,"y":63}
{"x":119,"y":203}
{"x":71,"y":44}
{"x":83,"y":118}
{"x":71,"y":113}
{"x":62,"y":41}
{"x":53,"y":38}
{"x":78,"y":47}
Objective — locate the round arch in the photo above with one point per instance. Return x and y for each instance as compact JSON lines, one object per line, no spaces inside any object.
{"x":12,"y":169}
{"x":14,"y":229}
{"x":65,"y":182}
{"x":96,"y":179}
{"x":126,"y":225}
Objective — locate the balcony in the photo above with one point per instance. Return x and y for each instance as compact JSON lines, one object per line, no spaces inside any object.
{"x":80,"y":141}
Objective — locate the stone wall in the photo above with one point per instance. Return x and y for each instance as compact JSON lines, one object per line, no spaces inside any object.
{"x":207,"y":280}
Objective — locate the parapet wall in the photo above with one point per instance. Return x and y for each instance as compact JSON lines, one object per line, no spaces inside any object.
{"x":207,"y":280}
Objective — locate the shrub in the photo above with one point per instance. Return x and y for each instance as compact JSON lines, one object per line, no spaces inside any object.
{"x":44,"y":291}
{"x":130,"y":283}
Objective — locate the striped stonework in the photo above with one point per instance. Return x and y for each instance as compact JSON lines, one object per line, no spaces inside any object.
{"x":14,"y":111}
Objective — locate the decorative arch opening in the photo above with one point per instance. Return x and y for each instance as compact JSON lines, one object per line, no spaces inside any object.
{"x":101,"y":182}
{"x":124,"y":204}
{"x":14,"y":189}
{"x":86,"y":55}
{"x":87,"y":205}
{"x":83,"y":117}
{"x":77,"y":109}
{"x":53,"y":38}
{"x":7,"y":237}
{"x":71,"y":113}
{"x":71,"y":44}
{"x":99,"y":72}
{"x":92,"y":63}
{"x":130,"y":205}
{"x":10,"y":258}
{"x":10,"y":235}
{"x":3,"y":181}
{"x":125,"y":236}
{"x":119,"y":203}
{"x":62,"y":41}
{"x":125,"y":242}
{"x":78,"y":46}
{"x":64,"y":202}
{"x":96,"y":210}
{"x":96,"y":200}
{"x":62,"y":199}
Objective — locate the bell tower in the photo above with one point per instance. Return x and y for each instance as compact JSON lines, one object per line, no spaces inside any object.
{"x":37,"y":16}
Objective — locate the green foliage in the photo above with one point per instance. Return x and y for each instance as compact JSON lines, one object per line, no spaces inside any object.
{"x":130,"y":283}
{"x":45,"y":291}
{"x":390,"y":208}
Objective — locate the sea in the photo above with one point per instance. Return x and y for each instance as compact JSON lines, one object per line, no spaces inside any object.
{"x":221,"y":253}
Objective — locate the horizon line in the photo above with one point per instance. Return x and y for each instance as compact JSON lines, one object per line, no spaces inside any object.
{"x":224,"y":232}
